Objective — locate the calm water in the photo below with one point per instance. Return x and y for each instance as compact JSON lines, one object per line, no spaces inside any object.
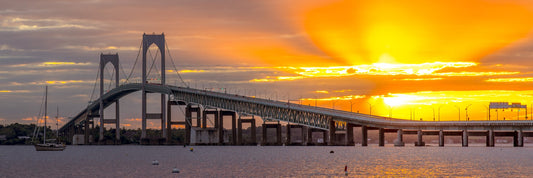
{"x":268,"y":161}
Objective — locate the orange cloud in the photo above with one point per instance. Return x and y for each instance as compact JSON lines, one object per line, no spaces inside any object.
{"x":524,"y":79}
{"x":362,"y":32}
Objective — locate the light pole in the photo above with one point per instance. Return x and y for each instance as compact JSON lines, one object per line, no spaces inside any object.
{"x":466,"y":112}
{"x":459,"y":112}
{"x":413,"y":113}
{"x":370,"y":106}
{"x":433,"y":113}
{"x":351,"y":106}
{"x":439,"y":110}
{"x":488,"y":112}
{"x":333,"y":103}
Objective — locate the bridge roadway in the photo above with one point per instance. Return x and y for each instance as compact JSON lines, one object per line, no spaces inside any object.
{"x":314,"y":117}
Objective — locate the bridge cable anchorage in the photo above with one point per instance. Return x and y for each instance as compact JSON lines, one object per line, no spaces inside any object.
{"x":134,"y":64}
{"x":175,"y":69}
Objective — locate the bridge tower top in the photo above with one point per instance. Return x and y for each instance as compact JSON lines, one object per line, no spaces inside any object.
{"x":104,"y":59}
{"x":159,"y":41}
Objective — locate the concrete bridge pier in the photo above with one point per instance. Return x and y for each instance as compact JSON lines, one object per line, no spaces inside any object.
{"x":465,"y":138}
{"x":441,"y":138}
{"x":420,"y":142}
{"x":349,"y":134}
{"x":170,"y":123}
{"x":188,"y":124}
{"x":253,"y":134}
{"x":289,"y":137}
{"x":276,"y":126}
{"x":310,"y":132}
{"x":364,"y":136}
{"x":198,"y":110}
{"x":381,"y":137}
{"x":490,"y":138}
{"x":332,"y":135}
{"x":207,"y":112}
{"x":518,"y":138}
{"x":89,"y":120}
{"x":233,"y":126}
{"x":399,"y":139}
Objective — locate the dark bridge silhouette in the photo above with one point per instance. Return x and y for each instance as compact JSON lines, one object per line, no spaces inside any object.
{"x":336,"y":125}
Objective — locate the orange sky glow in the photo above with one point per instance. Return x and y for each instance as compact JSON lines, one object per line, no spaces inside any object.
{"x":400,"y":58}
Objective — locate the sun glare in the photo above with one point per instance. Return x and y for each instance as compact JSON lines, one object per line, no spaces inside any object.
{"x":363,"y":32}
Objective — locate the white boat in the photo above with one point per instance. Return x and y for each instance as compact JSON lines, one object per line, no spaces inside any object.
{"x":48,"y":146}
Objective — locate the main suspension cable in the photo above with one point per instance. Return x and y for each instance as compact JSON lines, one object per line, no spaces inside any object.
{"x":175,"y":69}
{"x":134,"y":64}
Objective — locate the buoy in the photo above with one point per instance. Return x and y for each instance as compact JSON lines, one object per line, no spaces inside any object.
{"x":175,"y":170}
{"x":191,"y":149}
{"x":346,"y":170}
{"x":331,"y":151}
{"x":155,"y":162}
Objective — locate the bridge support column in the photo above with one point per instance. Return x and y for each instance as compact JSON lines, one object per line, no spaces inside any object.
{"x":86,"y":135}
{"x":188,"y":124}
{"x":349,"y":134}
{"x":399,"y":139}
{"x":490,"y":139}
{"x":252,"y":128}
{"x":381,"y":137}
{"x":518,"y":138}
{"x":332,"y":135}
{"x":170,"y":122}
{"x":465,"y":138}
{"x":441,"y":138}
{"x":364,"y":136}
{"x":233,"y":126}
{"x":420,"y":142}
{"x":266,"y":126}
{"x":289,"y":133}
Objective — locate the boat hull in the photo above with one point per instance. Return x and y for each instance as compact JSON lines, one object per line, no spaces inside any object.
{"x":49,"y":147}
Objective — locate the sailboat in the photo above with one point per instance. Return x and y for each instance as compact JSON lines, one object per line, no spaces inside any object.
{"x":48,"y":146}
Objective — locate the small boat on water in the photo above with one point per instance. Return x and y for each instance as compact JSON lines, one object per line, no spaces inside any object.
{"x":48,"y":146}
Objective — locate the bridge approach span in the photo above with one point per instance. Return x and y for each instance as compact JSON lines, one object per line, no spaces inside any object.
{"x":310,"y":116}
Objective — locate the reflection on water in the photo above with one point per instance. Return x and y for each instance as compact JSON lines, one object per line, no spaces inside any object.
{"x":274,"y":161}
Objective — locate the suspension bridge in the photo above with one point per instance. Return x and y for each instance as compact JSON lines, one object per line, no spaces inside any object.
{"x":336,"y":126}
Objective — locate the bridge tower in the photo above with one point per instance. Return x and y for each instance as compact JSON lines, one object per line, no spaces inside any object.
{"x":159,"y":41}
{"x":113,"y":59}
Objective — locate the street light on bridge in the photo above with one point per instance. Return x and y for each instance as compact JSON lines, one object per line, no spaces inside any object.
{"x":351,"y":106}
{"x":466,"y":112}
{"x":459,"y":112}
{"x":370,"y":106}
{"x":439,"y":110}
{"x":333,"y":101}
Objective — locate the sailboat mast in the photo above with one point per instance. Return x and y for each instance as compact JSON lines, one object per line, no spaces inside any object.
{"x":57,"y":124}
{"x":45,"y":109}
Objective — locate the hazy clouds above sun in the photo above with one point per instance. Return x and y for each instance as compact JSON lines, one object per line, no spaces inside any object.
{"x":277,"y":47}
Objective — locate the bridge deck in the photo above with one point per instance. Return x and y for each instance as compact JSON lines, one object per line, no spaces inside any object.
{"x":315,"y":117}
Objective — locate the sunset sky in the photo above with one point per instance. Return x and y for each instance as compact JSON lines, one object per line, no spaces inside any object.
{"x":412,"y":58}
